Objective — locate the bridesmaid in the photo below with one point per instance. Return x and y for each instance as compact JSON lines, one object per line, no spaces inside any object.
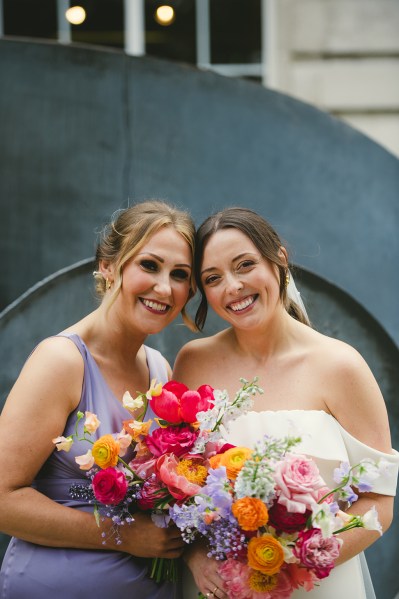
{"x":144,"y":276}
{"x":320,"y":384}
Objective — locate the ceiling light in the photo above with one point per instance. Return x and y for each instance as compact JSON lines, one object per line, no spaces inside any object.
{"x":75,"y":15}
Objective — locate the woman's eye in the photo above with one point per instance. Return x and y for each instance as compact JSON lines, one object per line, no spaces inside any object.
{"x":211,"y":279}
{"x":149,"y":265}
{"x":180,"y":274}
{"x":246,"y":264}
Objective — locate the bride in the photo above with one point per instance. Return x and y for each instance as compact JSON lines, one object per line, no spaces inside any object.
{"x":314,"y":386}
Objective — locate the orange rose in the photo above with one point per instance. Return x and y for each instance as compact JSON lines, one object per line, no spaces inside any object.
{"x":234,"y":459}
{"x":105,"y":451}
{"x":250,"y":512}
{"x":265,"y":554}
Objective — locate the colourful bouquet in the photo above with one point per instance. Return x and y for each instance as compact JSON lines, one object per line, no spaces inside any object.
{"x":167,"y":468}
{"x":270,"y":519}
{"x":266,"y":513}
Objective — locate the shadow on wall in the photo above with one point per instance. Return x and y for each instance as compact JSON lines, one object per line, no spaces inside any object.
{"x":66,"y":296}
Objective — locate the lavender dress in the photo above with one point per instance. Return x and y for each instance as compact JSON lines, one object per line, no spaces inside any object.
{"x":38,"y":572}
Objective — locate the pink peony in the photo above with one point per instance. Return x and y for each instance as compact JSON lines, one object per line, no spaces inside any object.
{"x":298,"y":481}
{"x":235,"y":575}
{"x":171,"y":439}
{"x":152,"y":491}
{"x":315,"y":552}
{"x":110,"y":486}
{"x":177,"y":403}
{"x":179,"y":486}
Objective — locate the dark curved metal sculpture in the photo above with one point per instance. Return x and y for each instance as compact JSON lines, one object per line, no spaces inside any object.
{"x":64,"y":297}
{"x":86,"y":131}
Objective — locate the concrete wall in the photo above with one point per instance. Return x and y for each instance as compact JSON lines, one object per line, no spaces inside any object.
{"x":343,"y":56}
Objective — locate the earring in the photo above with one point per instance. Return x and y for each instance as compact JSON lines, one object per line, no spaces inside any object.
{"x":107,"y":284}
{"x":287,"y":278}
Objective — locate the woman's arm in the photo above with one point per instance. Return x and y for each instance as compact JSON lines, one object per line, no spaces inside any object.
{"x":46,"y":392}
{"x":356,"y":402}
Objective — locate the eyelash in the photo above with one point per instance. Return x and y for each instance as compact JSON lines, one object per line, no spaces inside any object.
{"x":150,"y":265}
{"x":245,"y":265}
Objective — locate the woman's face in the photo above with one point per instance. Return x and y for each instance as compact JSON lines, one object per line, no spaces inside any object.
{"x":240,"y":285}
{"x":156,"y":282}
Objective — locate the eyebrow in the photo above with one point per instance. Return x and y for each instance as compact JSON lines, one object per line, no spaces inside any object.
{"x":161,"y":259}
{"x":233,"y":260}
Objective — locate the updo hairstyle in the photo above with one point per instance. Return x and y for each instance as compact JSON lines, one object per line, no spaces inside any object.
{"x":129,"y":231}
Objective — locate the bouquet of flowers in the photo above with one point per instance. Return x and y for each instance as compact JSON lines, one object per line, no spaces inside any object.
{"x":166,"y":466}
{"x":265,"y":513}
{"x":270,"y":519}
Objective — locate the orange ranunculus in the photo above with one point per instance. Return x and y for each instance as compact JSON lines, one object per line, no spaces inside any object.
{"x":265,"y":554}
{"x":251,"y":513}
{"x":234,"y":459}
{"x":105,"y":451}
{"x":214,"y":461}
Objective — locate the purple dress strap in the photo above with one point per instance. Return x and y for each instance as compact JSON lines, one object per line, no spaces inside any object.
{"x":36,"y":571}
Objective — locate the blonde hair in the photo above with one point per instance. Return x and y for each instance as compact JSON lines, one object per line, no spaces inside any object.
{"x":128,"y":232}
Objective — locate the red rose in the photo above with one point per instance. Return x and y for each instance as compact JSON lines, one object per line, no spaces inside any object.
{"x":171,"y":440}
{"x":109,"y":486}
{"x":283,"y":520}
{"x":152,"y":491}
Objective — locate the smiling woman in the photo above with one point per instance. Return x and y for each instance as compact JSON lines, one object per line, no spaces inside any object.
{"x":314,"y":385}
{"x":144,"y":277}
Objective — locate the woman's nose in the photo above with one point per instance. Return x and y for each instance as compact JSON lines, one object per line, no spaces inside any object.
{"x":234,"y":285}
{"x":162,"y":287}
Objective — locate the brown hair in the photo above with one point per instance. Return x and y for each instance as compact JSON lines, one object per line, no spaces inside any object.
{"x":265,"y":239}
{"x":129,"y":230}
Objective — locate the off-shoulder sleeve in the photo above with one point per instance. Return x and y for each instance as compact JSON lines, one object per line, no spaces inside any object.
{"x":357,"y":451}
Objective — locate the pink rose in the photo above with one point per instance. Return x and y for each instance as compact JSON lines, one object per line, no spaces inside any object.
{"x":298,"y":481}
{"x":171,"y":439}
{"x":179,"y":486}
{"x":235,"y":575}
{"x":110,"y":486}
{"x":315,"y":552}
{"x":177,"y":403}
{"x":151,"y":493}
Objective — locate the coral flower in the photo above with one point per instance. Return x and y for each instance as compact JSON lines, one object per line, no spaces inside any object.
{"x":251,"y":513}
{"x":136,"y":428}
{"x":261,"y":583}
{"x":234,"y":459}
{"x":265,"y":554}
{"x":181,"y":479}
{"x":105,"y":451}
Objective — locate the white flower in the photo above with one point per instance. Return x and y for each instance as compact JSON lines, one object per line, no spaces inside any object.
{"x":370,"y":520}
{"x":132,"y":404}
{"x":63,"y":443}
{"x":323,"y":518}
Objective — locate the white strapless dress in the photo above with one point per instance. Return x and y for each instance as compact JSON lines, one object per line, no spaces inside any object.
{"x":324,"y":439}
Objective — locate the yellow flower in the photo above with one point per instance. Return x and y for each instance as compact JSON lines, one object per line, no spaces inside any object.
{"x":261,"y":583}
{"x":105,"y":451}
{"x":195,"y":473}
{"x":251,"y":513}
{"x":234,"y":459}
{"x":265,"y":554}
{"x":154,"y":390}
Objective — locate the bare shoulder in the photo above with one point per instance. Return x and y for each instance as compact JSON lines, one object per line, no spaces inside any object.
{"x":351,"y":392}
{"x":54,"y":369}
{"x":194,"y":358}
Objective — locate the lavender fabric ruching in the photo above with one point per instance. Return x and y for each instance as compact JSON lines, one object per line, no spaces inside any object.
{"x":36,"y":571}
